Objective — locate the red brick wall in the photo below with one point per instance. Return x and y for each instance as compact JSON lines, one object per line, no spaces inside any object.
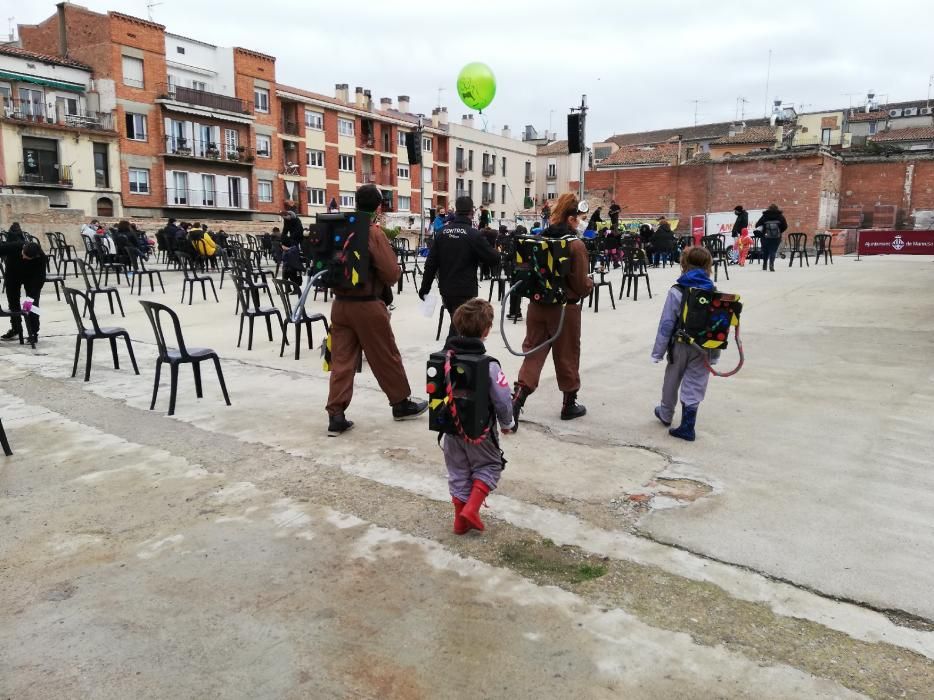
{"x":248,"y":67}
{"x":874,"y":183}
{"x":922,"y":191}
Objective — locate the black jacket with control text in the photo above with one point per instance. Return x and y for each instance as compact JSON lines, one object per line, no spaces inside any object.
{"x":455,"y":255}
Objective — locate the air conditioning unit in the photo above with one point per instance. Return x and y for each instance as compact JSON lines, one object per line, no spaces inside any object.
{"x":895,"y":112}
{"x":910,"y":112}
{"x":926,"y":111}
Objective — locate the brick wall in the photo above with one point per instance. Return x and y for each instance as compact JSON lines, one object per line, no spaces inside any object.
{"x":250,"y":66}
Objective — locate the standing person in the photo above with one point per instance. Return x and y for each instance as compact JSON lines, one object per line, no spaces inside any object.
{"x":90,"y":230}
{"x":595,"y":219}
{"x":542,"y":320}
{"x":25,"y":271}
{"x":663,"y":242}
{"x":332,"y":206}
{"x":742,"y":221}
{"x":744,"y":243}
{"x":772,"y":224}
{"x":484,"y":219}
{"x":360,"y":321}
{"x":293,"y":233}
{"x":686,"y":372}
{"x":458,"y":250}
{"x":546,"y":215}
{"x":614,"y":215}
{"x":475,"y":465}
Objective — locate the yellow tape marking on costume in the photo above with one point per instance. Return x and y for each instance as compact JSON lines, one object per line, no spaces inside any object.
{"x":354,"y":278}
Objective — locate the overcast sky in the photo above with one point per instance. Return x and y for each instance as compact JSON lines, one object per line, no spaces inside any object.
{"x":641,"y":64}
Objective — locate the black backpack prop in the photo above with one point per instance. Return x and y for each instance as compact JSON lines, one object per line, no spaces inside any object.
{"x":704,"y":322}
{"x":458,"y":389}
{"x":340,"y":252}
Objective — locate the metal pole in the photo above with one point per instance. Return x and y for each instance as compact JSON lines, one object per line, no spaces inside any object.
{"x":583,"y":153}
{"x":421,"y":185}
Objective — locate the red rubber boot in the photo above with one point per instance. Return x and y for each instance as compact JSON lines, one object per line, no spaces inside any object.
{"x":471,"y":511}
{"x":461,"y":526}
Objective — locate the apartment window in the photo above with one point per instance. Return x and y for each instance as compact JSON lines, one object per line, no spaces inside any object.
{"x":139,"y":181}
{"x":459,"y":187}
{"x":503,"y":197}
{"x":261,"y":99}
{"x":552,"y":192}
{"x":263,"y":146}
{"x":403,"y":172}
{"x":132,"y":72}
{"x":426,"y":144}
{"x":314,"y":120}
{"x":316,"y":197}
{"x":405,"y":203}
{"x":198,"y":85}
{"x":470,"y":160}
{"x":552,"y":167}
{"x":346,"y":163}
{"x":348,"y":199}
{"x":101,"y":166}
{"x":872,"y":128}
{"x":6,"y":94}
{"x":470,"y":188}
{"x":180,"y":49}
{"x":426,"y":174}
{"x":502,"y":215}
{"x":504,"y":166}
{"x":231,"y":144}
{"x":493,"y":163}
{"x":180,"y":188}
{"x":401,"y":137}
{"x":208,"y":191}
{"x":528,"y":193}
{"x":345,"y":127}
{"x":825,"y":136}
{"x":314,"y":159}
{"x":264,"y":190}
{"x":136,"y":127}
{"x":459,"y":157}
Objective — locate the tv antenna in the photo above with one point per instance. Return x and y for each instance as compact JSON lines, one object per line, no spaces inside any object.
{"x":150,"y":5}
{"x":741,"y":103}
{"x":440,"y":90}
{"x":697,"y":103}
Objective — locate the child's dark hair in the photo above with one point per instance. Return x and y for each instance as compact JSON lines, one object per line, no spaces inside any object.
{"x":473,"y":318}
{"x":696,"y":257}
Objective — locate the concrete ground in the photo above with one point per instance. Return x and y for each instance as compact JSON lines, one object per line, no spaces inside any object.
{"x":238,"y":552}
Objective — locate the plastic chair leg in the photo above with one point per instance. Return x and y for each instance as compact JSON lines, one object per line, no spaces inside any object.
{"x":196,"y":370}
{"x":220,"y":378}
{"x":155,"y":388}
{"x":87,"y":362}
{"x":129,"y":349}
{"x":4,"y":442}
{"x":240,"y":336}
{"x":249,"y":343}
{"x":113,"y":351}
{"x":74,"y":369}
{"x":119,"y":303}
{"x":173,"y":389}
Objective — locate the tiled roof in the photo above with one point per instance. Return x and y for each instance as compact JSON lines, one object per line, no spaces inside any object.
{"x":756,"y":134}
{"x":687,"y":133}
{"x":915,"y":133}
{"x":664,"y":154}
{"x":10,"y":50}
{"x":556,"y":148}
{"x":875,"y":116}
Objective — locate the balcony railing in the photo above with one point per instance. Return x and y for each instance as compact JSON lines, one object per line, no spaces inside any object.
{"x":460,"y":166}
{"x":37,"y":113}
{"x":39,"y":174}
{"x":196,"y":148}
{"x":550,"y":175}
{"x":368,"y":178}
{"x":530,"y":176}
{"x":441,"y":185}
{"x":365,"y":140}
{"x":202,"y":98}
{"x":489,"y":170}
{"x":487,"y":199}
{"x":291,"y":169}
{"x":188,"y":197}
{"x":291,"y":128}
{"x":461,"y":193}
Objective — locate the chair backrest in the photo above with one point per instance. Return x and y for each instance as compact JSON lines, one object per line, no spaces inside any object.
{"x":188,"y":267}
{"x":821,"y":241}
{"x":285,"y":288}
{"x":53,"y":240}
{"x":91,"y":281}
{"x":713,"y":243}
{"x":72,"y":296}
{"x":156,"y":312}
{"x":799,"y":241}
{"x":247,"y":291}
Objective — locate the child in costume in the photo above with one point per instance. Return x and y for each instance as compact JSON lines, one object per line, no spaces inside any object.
{"x":686,"y":372}
{"x":474,"y":466}
{"x":744,"y":243}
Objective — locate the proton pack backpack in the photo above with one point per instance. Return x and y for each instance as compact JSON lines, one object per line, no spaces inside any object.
{"x":704,"y":321}
{"x":772,"y":229}
{"x":541,"y":265}
{"x":340,"y":249}
{"x":458,"y":389}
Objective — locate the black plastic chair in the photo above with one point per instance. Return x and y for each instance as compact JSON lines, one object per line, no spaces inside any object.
{"x":138,"y":270}
{"x":109,"y":264}
{"x":822,"y":243}
{"x":799,"y":247}
{"x":175,"y":357}
{"x":191,"y":277}
{"x":95,"y":332}
{"x":285,"y":289}
{"x":4,"y":442}
{"x":56,"y":278}
{"x":256,"y":279}
{"x":634,"y":269}
{"x":248,"y":296}
{"x":714,"y":244}
{"x":594,"y":299}
{"x":93,"y":287}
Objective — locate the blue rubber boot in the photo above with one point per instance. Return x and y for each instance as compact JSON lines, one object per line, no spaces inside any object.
{"x":685,"y":431}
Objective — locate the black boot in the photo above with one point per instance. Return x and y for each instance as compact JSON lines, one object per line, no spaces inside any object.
{"x":571,"y":409}
{"x":338,"y":425}
{"x":408,"y":409}
{"x":519,"y":395}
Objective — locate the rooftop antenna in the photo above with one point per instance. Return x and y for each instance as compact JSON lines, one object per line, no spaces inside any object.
{"x":930,"y":85}
{"x":12,"y":21}
{"x":440,"y":90}
{"x":741,"y":103}
{"x":851,"y":95}
{"x":150,"y":4}
{"x":697,"y":102}
{"x":768,"y":78}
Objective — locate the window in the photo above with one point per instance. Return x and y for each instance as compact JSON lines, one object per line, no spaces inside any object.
{"x":503,"y":197}
{"x":405,"y":203}
{"x":261,"y":99}
{"x":101,"y":166}
{"x":552,"y":167}
{"x":426,"y":144}
{"x":179,"y":191}
{"x":346,"y":163}
{"x":316,"y":197}
{"x":426,"y":174}
{"x":66,"y":105}
{"x":459,"y":158}
{"x":231,"y":144}
{"x":132,"y":72}
{"x":502,"y":215}
{"x":402,"y":137}
{"x":348,"y":199}
{"x":552,"y":192}
{"x":504,"y":166}
{"x":528,"y":193}
{"x":403,"y":172}
{"x":41,"y":162}
{"x":180,"y":49}
{"x":105,"y":206}
{"x":263,"y":146}
{"x":32,"y":103}
{"x":470,"y":160}
{"x":6,"y":93}
{"x":136,"y":126}
{"x":198,"y":85}
{"x":264,"y":190}
{"x":345,"y":127}
{"x":208,"y":191}
{"x":825,"y":136}
{"x":470,"y":188}
{"x":459,"y":187}
{"x":314,"y":120}
{"x":872,"y":128}
{"x":139,"y":181}
{"x":314,"y":159}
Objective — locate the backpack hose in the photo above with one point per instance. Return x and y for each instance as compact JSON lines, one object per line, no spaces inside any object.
{"x":502,"y":326}
{"x":309,"y":285}
{"x":739,"y":347}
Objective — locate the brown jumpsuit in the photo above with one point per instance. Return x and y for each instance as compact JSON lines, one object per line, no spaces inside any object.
{"x":542,"y":323}
{"x":360,"y":320}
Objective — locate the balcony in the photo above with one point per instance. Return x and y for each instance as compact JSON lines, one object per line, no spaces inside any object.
{"x":365,"y":140}
{"x":489,"y":169}
{"x":487,"y":199}
{"x":36,"y":113}
{"x":550,"y":175}
{"x":441,"y":186}
{"x":181,"y":147}
{"x":368,"y":178}
{"x":291,"y":169}
{"x":176,"y":197}
{"x":460,"y":166}
{"x":202,"y":98}
{"x":42,"y":174}
{"x":291,"y":128}
{"x":529,"y":176}
{"x":461,"y":193}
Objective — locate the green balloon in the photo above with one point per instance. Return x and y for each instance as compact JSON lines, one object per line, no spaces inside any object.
{"x":476,"y":85}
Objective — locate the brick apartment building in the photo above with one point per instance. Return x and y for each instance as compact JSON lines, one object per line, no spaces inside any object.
{"x":197,"y":122}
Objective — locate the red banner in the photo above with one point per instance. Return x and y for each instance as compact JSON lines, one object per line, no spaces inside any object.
{"x":872,"y":242}
{"x":698,"y":223}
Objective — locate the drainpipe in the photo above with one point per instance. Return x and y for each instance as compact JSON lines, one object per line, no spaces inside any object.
{"x":62,"y":33}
